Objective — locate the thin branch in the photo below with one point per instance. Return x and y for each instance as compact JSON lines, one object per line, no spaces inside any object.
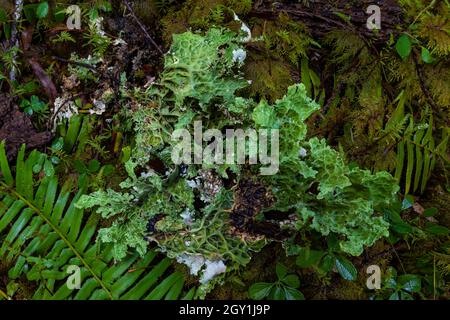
{"x":380,"y":255}
{"x":424,"y":88}
{"x":398,"y":258}
{"x":130,"y":9}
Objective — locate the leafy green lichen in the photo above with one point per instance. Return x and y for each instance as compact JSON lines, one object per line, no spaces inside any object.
{"x":200,"y":81}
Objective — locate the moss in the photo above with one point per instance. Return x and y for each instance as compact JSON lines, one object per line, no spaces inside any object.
{"x":201,"y":15}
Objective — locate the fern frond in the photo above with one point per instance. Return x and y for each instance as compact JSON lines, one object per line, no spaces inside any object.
{"x":417,"y":149}
{"x":42,"y":233}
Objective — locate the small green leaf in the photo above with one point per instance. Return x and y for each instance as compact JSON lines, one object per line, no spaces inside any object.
{"x":343,"y":16}
{"x":426,"y":56}
{"x":346,"y":268}
{"x":397,"y":223}
{"x":37,"y":168}
{"x":4,"y":165}
{"x":293,"y":294}
{"x":402,"y":228}
{"x":436,"y":229}
{"x":29,"y":11}
{"x":391,"y":278}
{"x":291,"y":281}
{"x":292,"y":249}
{"x":29,"y":111}
{"x":107,"y":169}
{"x":393,"y":239}
{"x":403,"y":46}
{"x":11,"y":288}
{"x":36,"y":104}
{"x":394,"y":296}
{"x":430,"y":212}
{"x":306,"y":79}
{"x":408,"y":202}
{"x":48,"y":168}
{"x":59,"y":14}
{"x":327,"y":263}
{"x":7,"y":30}
{"x":333,"y":242}
{"x":405,"y":296}
{"x":259,"y":290}
{"x":80,"y":166}
{"x":42,"y":10}
{"x":307,"y":257}
{"x":55,"y":160}
{"x":94,"y":165}
{"x":281,"y":271}
{"x":3,"y":16}
{"x":58,"y":144}
{"x":78,"y":103}
{"x":24,"y":103}
{"x":278,"y":293}
{"x":126,"y":154}
{"x":410,"y":282}
{"x":93,"y":14}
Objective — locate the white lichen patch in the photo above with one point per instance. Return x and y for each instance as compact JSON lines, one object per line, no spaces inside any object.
{"x":99,"y":107}
{"x":63,"y":109}
{"x":119,"y":42}
{"x":97,"y":24}
{"x":302,"y":152}
{"x":245,"y":29}
{"x":188,"y":217}
{"x":239,"y":55}
{"x":211,"y":268}
{"x":194,"y":262}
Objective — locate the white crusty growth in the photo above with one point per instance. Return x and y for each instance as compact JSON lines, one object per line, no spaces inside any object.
{"x":197,"y":262}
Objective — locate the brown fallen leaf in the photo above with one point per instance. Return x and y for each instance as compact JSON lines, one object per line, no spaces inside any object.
{"x":27,"y":36}
{"x":44,"y":79}
{"x":420,"y":210}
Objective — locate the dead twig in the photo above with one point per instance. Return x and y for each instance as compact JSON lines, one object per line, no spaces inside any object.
{"x":424,"y":88}
{"x":373,"y":259}
{"x":44,"y":79}
{"x":130,"y":9}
